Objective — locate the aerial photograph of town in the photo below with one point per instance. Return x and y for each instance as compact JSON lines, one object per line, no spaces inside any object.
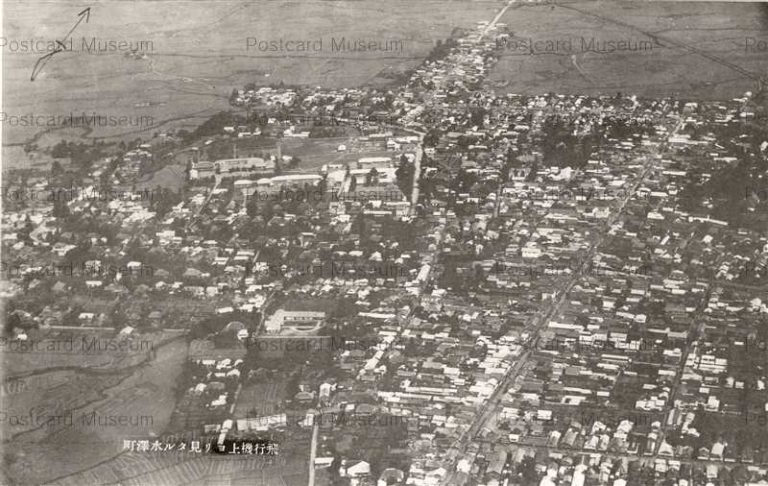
{"x":384,"y":243}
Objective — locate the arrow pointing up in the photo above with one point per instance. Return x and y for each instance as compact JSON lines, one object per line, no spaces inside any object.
{"x":87,"y":13}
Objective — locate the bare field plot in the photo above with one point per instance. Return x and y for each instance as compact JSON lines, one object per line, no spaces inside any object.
{"x":316,"y":152}
{"x":170,"y":177}
{"x":263,"y":398}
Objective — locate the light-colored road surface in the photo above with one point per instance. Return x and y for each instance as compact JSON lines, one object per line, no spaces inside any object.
{"x":313,"y":454}
{"x":497,"y":18}
{"x":416,"y":175}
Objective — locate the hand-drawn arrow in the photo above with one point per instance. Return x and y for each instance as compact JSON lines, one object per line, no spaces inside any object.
{"x":85,"y":14}
{"x":40,"y":64}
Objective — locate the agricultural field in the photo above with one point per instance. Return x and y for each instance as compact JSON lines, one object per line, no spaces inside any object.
{"x":139,"y":469}
{"x":695,"y":50}
{"x":55,"y":352}
{"x":169,"y":177}
{"x":263,"y":398}
{"x":14,"y":158}
{"x":78,"y":408}
{"x":191,"y":54}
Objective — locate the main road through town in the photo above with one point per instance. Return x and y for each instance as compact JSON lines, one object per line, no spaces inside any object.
{"x":491,"y":405}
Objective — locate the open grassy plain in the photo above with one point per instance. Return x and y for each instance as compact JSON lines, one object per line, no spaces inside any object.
{"x":695,"y":50}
